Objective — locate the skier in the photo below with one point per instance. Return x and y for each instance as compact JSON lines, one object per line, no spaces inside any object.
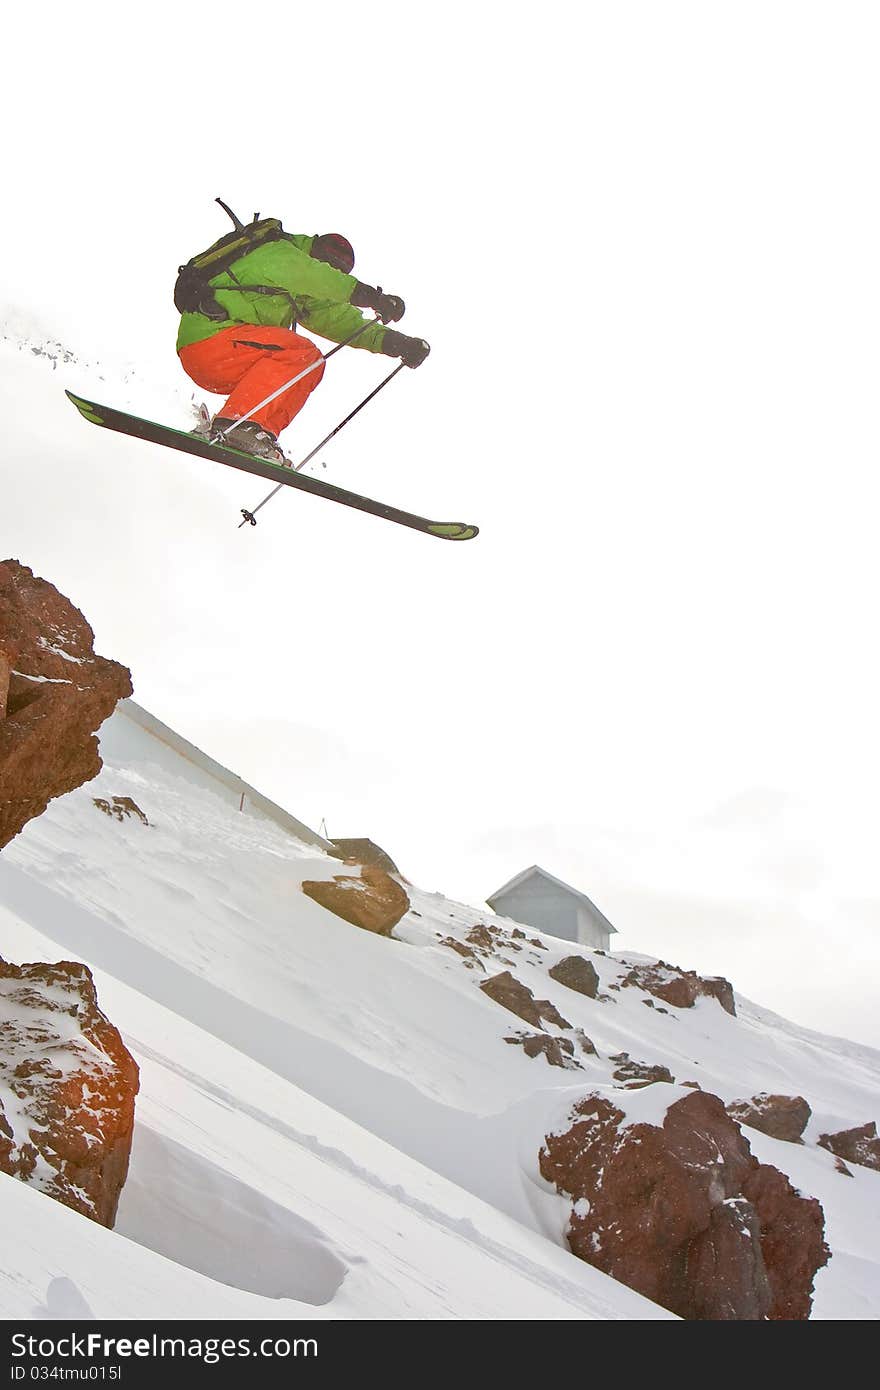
{"x":238,"y":336}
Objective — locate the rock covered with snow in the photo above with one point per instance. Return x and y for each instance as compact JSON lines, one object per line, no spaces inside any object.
{"x":669,"y":1199}
{"x":782,"y":1117}
{"x":859,"y":1145}
{"x":681,"y":988}
{"x":634,"y":1074}
{"x":558,"y":1052}
{"x":54,"y":694}
{"x":67,"y":1088}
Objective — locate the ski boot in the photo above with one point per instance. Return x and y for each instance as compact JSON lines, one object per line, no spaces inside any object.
{"x":249,"y":437}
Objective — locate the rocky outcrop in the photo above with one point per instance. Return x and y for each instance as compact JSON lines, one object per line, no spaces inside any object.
{"x":782,"y":1117}
{"x":576,"y":973}
{"x":792,"y":1231}
{"x":634,"y":1074}
{"x":485,"y":938}
{"x":120,"y":808}
{"x":57,"y":695}
{"x":859,"y":1145}
{"x":67,"y":1088}
{"x":559,"y":1052}
{"x":682,"y":1211}
{"x":507,"y":991}
{"x":461,"y":948}
{"x":681,"y":988}
{"x":373,"y":900}
{"x":363,"y":852}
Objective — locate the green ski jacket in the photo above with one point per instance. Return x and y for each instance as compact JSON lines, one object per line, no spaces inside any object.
{"x":309,"y":292}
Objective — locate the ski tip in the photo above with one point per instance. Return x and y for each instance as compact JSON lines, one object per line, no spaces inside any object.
{"x":453,"y":530}
{"x":87,"y":409}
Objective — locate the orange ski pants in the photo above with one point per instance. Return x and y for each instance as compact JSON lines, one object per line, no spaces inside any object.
{"x":250,"y":362}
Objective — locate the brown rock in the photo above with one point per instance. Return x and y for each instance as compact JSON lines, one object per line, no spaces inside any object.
{"x":484,"y":937}
{"x":120,"y":807}
{"x":782,"y":1117}
{"x":665,"y":1210}
{"x":559,"y":1052}
{"x":5,"y":670}
{"x":58,"y":693}
{"x":726,"y":1272}
{"x":635,"y":1074}
{"x":792,"y":1240}
{"x":860,"y":1145}
{"x":70,"y":1085}
{"x":374,"y":901}
{"x":364,"y":852}
{"x":472,"y":960}
{"x":576,"y":973}
{"x":507,"y":991}
{"x":681,"y":988}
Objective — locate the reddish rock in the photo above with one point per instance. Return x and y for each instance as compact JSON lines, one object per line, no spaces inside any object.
{"x":559,"y":1052}
{"x":68,"y":1086}
{"x":471,"y":959}
{"x":634,"y":1074}
{"x":484,"y":937}
{"x":726,"y":1273}
{"x":576,"y":973}
{"x":683,"y":1212}
{"x":507,"y":991}
{"x":57,"y":695}
{"x":792,"y":1240}
{"x":5,"y":671}
{"x":681,"y":988}
{"x":860,"y":1145}
{"x":374,"y":901}
{"x":782,"y":1117}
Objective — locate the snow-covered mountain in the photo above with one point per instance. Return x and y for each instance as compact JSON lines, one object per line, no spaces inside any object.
{"x":340,"y":1124}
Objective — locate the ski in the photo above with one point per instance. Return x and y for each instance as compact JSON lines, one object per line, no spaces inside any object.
{"x":109,"y":418}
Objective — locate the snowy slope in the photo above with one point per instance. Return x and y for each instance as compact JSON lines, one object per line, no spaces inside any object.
{"x":213,"y":964}
{"x":331,"y":1122}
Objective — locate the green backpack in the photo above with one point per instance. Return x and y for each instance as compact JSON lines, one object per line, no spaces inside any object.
{"x":192,"y":291}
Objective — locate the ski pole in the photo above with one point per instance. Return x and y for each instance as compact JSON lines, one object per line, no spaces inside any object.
{"x":325,"y":356}
{"x":251,"y":516}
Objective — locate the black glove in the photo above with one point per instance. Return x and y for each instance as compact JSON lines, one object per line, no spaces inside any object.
{"x":389,"y":307}
{"x":411,"y":351}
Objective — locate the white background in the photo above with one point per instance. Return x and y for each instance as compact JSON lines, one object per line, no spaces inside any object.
{"x":642,"y":241}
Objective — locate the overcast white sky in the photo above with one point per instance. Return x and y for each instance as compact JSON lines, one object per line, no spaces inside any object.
{"x":642,"y":241}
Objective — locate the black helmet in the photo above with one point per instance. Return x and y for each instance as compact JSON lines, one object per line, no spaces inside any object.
{"x":335,"y":249}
